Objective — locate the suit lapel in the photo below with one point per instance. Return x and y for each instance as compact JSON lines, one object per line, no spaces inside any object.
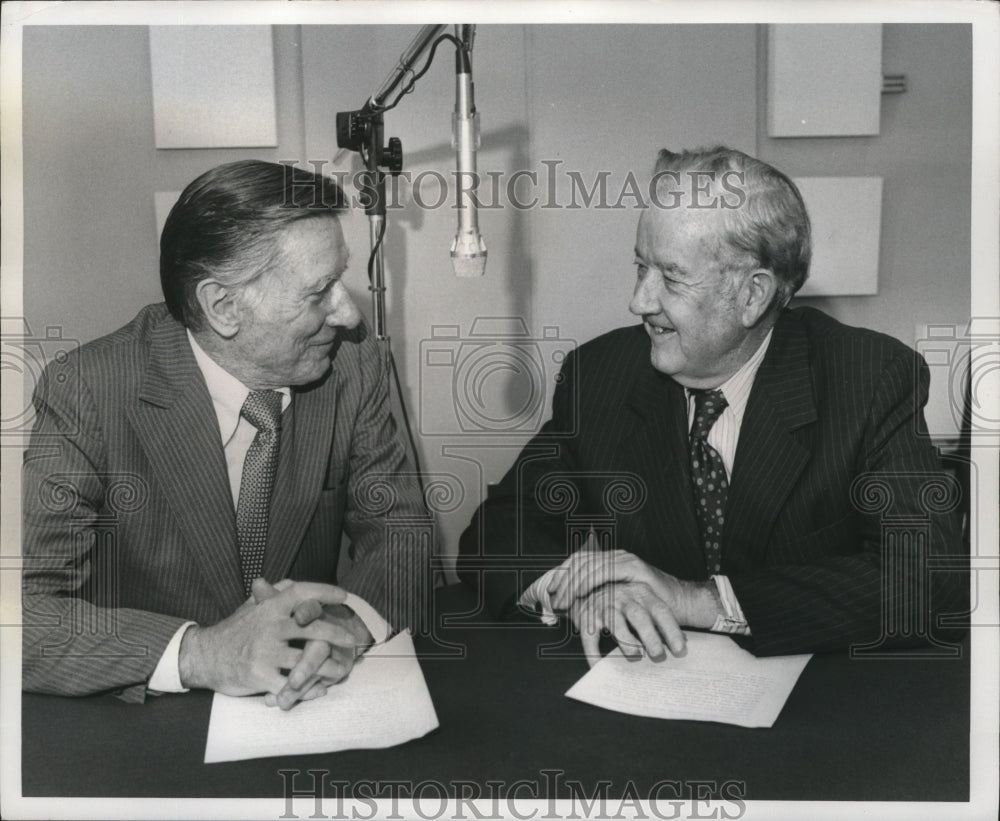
{"x":305,"y":451}
{"x":175,"y":421}
{"x":659,"y":450}
{"x":770,"y":456}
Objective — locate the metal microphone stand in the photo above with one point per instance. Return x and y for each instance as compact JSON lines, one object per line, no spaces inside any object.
{"x":363,"y":131}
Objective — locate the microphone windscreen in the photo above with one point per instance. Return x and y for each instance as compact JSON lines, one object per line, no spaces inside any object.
{"x":469,"y":266}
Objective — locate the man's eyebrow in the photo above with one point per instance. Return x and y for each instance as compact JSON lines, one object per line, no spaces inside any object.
{"x":670,"y":267}
{"x":338,"y":271}
{"x":325,"y":282}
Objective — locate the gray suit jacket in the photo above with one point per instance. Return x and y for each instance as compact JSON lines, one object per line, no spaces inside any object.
{"x":129,"y":527}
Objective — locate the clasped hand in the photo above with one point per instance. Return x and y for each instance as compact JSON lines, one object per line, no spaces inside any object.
{"x":246,"y":653}
{"x":641,"y":606}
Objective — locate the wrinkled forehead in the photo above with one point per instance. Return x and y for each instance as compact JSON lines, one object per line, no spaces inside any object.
{"x":665,"y":237}
{"x":308,"y":249}
{"x":320,"y":227}
{"x":687,"y":217}
{"x":689,"y":229}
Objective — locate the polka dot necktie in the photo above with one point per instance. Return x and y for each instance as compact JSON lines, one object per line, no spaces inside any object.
{"x":708,"y":476}
{"x":262,"y":410}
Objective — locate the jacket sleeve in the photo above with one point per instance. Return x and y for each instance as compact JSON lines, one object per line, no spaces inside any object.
{"x":871,"y":581}
{"x":75,"y":640}
{"x":392,"y":534}
{"x":519,"y":531}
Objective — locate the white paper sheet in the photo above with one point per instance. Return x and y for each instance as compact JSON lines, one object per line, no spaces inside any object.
{"x":716,"y":680}
{"x":384,"y":702}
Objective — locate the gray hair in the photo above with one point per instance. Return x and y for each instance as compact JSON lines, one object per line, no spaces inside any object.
{"x":768,"y":227}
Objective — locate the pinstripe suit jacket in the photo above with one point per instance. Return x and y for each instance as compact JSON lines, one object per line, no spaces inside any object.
{"x":829,"y":406}
{"x":129,"y":527}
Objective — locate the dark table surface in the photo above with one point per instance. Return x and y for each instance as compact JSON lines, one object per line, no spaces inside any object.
{"x":893,"y":729}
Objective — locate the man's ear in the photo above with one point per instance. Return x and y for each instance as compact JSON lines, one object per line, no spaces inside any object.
{"x":220,"y":307}
{"x":760,"y":289}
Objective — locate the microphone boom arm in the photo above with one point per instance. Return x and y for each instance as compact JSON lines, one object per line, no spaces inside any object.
{"x":418,"y":45}
{"x":363,"y":131}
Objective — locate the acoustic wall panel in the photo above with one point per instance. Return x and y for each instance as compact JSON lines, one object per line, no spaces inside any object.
{"x":824,"y":80}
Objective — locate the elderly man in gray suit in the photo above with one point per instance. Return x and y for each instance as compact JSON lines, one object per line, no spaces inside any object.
{"x":190,"y":475}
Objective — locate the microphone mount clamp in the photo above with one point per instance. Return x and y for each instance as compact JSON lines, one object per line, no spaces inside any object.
{"x":363,"y":131}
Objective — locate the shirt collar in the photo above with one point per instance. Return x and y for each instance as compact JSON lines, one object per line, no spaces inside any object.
{"x":227,"y":392}
{"x":737,"y":388}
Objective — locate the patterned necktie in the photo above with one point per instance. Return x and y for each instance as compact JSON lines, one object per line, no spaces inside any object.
{"x":708,"y":476}
{"x":263,"y":410}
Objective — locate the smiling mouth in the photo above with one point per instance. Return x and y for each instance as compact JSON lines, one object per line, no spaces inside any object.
{"x":656,"y":330}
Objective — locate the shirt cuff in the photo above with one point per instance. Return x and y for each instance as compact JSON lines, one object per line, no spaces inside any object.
{"x":537,"y":595}
{"x":377,"y":626}
{"x":166,"y":677}
{"x":733,"y":621}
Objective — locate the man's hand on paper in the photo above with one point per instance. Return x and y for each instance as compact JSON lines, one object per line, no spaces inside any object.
{"x":636,"y":617}
{"x":384,"y":702}
{"x":641,"y":605}
{"x":245,"y":653}
{"x":304,"y":681}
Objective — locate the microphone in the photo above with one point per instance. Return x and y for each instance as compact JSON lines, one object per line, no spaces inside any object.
{"x":468,"y":251}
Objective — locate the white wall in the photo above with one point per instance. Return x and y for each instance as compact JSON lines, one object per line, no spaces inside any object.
{"x":90,"y":253}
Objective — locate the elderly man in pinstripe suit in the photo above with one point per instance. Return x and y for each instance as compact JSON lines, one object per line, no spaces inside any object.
{"x":190,"y":475}
{"x":745,"y":432}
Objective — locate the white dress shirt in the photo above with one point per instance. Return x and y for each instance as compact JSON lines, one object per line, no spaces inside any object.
{"x":724,"y":437}
{"x":228,"y":395}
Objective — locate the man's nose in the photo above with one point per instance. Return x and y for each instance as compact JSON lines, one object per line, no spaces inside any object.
{"x":645,"y":297}
{"x":343,"y":312}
